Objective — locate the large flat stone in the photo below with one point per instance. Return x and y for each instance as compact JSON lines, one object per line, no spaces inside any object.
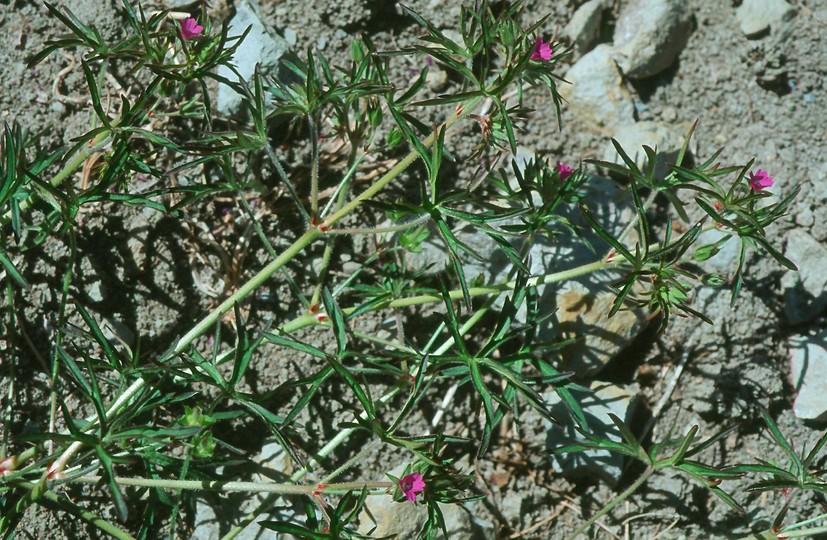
{"x":805,"y":292}
{"x":260,"y":46}
{"x":597,"y":95}
{"x":601,"y":399}
{"x":808,"y":376}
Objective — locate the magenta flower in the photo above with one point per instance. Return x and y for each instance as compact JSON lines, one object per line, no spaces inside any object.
{"x":191,"y":29}
{"x":542,"y":50}
{"x":411,"y":484}
{"x":564,"y":170}
{"x":760,"y":180}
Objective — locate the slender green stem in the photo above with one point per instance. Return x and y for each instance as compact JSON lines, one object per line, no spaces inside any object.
{"x":271,"y":250}
{"x":251,"y":285}
{"x":803,"y":533}
{"x":351,"y":462}
{"x":286,"y":180}
{"x":322,"y":274}
{"x":339,"y":198}
{"x":456,"y":294}
{"x":310,"y":319}
{"x":314,"y":167}
{"x":257,"y":227}
{"x":256,"y":281}
{"x":341,"y":191}
{"x":341,"y":437}
{"x":796,"y":530}
{"x":253,"y":487}
{"x":617,"y":500}
{"x":308,"y":237}
{"x":769,"y":534}
{"x":402,"y":226}
{"x":58,"y":332}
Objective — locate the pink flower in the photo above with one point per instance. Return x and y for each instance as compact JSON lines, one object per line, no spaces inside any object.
{"x":191,"y":29}
{"x":564,"y":170}
{"x":411,"y":484}
{"x":542,"y":50}
{"x":760,"y":180}
{"x":7,"y":466}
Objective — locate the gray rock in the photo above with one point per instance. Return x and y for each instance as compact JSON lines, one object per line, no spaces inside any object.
{"x":583,"y":29}
{"x":95,"y":292}
{"x":214,"y":514}
{"x":405,"y":519}
{"x":768,"y":61}
{"x":601,"y":399}
{"x":387,"y":518}
{"x":207,"y":526}
{"x":808,"y":376}
{"x":582,"y":314}
{"x":650,"y":35}
{"x":726,"y":258}
{"x":596,"y":94}
{"x":259,"y":47}
{"x":805,"y":292}
{"x":581,"y":304}
{"x":383,"y":517}
{"x":290,"y":37}
{"x":275,"y":463}
{"x":178,"y":4}
{"x":667,"y":139}
{"x":755,"y":17}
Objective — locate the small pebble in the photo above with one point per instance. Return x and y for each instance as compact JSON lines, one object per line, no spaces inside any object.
{"x":290,"y":36}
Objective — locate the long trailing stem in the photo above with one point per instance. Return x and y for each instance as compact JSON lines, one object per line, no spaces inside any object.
{"x":456,"y":294}
{"x":311,"y":319}
{"x":308,"y":237}
{"x":252,"y":487}
{"x":257,"y":280}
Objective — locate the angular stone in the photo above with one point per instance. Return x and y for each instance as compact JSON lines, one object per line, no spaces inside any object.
{"x":215,"y":514}
{"x":601,"y":399}
{"x":756,"y":17}
{"x":808,"y":376}
{"x":583,"y":29}
{"x":596,"y":94}
{"x":207,"y":525}
{"x":384,"y":518}
{"x":650,"y":35}
{"x":725,"y":259}
{"x":582,"y":314}
{"x":178,"y":4}
{"x":260,"y":46}
{"x":805,"y":291}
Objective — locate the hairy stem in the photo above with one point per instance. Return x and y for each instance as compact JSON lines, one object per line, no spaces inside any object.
{"x":456,"y":294}
{"x":253,"y":487}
